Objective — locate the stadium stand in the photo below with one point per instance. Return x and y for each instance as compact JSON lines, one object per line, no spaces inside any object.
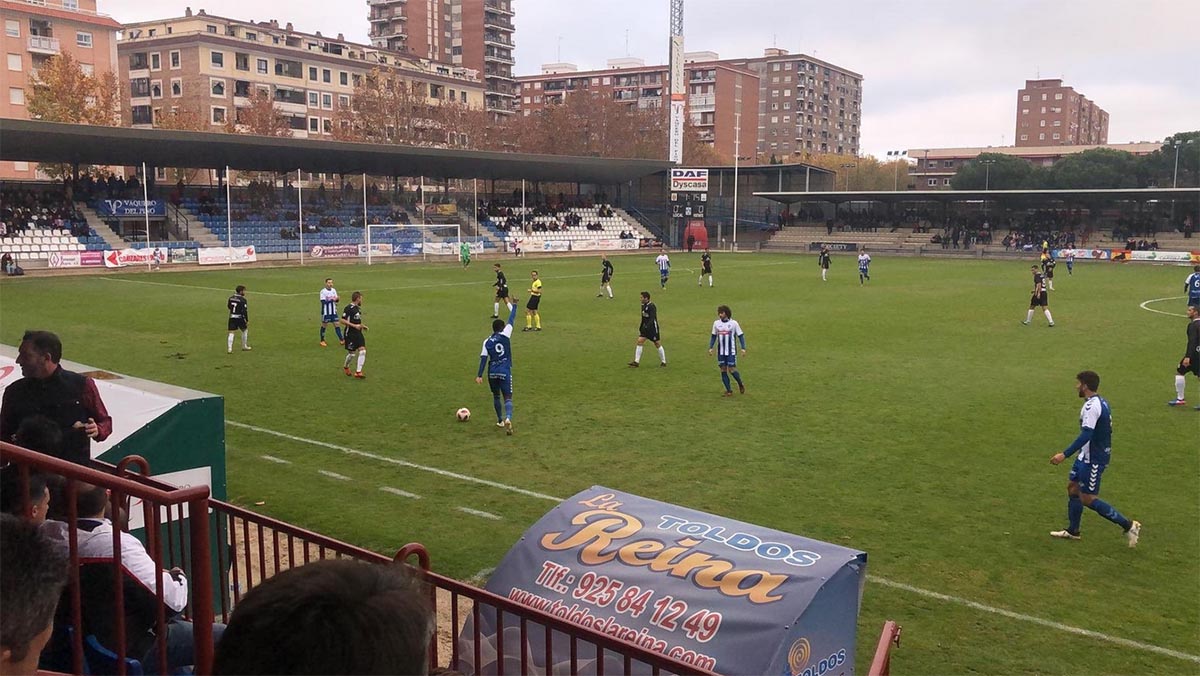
{"x":36,"y":221}
{"x":567,"y":224}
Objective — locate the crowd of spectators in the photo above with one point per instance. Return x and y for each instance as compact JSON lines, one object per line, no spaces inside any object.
{"x":24,"y":210}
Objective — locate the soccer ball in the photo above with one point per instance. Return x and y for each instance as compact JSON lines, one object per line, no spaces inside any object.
{"x":464,"y":414}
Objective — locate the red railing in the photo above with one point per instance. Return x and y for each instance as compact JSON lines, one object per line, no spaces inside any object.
{"x":881,"y":665}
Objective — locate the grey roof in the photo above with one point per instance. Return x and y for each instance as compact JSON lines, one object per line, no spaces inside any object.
{"x":38,"y":141}
{"x":977,"y":195}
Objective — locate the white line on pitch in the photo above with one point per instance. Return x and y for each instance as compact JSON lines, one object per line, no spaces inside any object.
{"x":189,"y":286}
{"x":437,"y":285}
{"x":874,"y":578}
{"x":272,"y":458}
{"x":397,"y":491}
{"x":476,"y":512}
{"x":333,"y":475}
{"x":396,"y":461}
{"x":1155,"y":300}
{"x":1037,"y":620}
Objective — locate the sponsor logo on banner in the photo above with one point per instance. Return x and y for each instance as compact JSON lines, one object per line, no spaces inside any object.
{"x":1161,"y":256}
{"x":222,"y":255}
{"x":407,"y":249}
{"x":184,"y":256}
{"x":65,"y":259}
{"x":597,"y":245}
{"x":689,"y":180}
{"x":123,"y":257}
{"x":131,"y":207}
{"x":1084,"y":254}
{"x":629,"y":244}
{"x":377,"y":249}
{"x":556,"y":245}
{"x":334,"y":251}
{"x":833,"y":246}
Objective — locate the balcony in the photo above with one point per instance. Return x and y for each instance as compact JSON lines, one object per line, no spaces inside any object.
{"x":387,"y":15}
{"x":498,"y":58}
{"x":497,"y":39}
{"x":512,"y":94}
{"x":500,"y":106}
{"x":498,"y":22}
{"x":384,"y":2}
{"x":497,"y":75}
{"x":702,"y":103}
{"x":496,"y":6}
{"x":40,"y":44}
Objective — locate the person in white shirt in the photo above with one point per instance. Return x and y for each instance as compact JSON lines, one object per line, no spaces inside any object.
{"x":664,"y":268}
{"x":329,"y":311}
{"x":864,"y":267}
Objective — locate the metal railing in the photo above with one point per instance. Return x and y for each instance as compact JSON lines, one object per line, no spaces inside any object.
{"x":881,"y":664}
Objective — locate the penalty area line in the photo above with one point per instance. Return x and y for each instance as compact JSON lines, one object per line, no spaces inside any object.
{"x":1157,"y":300}
{"x":1032,"y":619}
{"x":188,"y":286}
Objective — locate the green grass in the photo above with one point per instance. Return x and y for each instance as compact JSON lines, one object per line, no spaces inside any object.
{"x":912,"y":419}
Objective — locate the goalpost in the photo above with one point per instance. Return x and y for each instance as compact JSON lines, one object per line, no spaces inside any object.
{"x":385,"y":240}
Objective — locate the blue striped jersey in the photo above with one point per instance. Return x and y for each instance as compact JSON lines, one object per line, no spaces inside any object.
{"x":1193,"y":285}
{"x":727,"y":332}
{"x":329,"y":300}
{"x":864,"y":261}
{"x":1097,"y":417}
{"x":664,"y":263}
{"x":498,"y":350}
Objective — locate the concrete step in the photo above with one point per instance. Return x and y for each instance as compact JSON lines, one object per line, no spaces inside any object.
{"x":95,"y":222}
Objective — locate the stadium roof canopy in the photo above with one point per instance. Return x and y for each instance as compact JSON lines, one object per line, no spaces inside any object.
{"x":947,"y":196}
{"x":53,"y":142}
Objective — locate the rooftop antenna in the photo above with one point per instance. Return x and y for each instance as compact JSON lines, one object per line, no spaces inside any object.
{"x":558,"y":53}
{"x":626,"y":42}
{"x":774,"y":39}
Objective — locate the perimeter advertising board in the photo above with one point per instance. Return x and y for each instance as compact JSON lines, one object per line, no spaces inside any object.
{"x":715,"y":593}
{"x":130,"y":208}
{"x":1083,"y":254}
{"x":223,"y":255}
{"x":75,"y":259}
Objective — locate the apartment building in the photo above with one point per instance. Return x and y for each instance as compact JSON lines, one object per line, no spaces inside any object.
{"x":720,"y":96}
{"x":37,"y":30}
{"x":211,"y":65}
{"x":474,"y":34}
{"x":934,"y":167}
{"x":1050,"y":113}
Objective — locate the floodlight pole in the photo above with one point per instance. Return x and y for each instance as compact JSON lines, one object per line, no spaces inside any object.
{"x":424,"y":222}
{"x":228,"y":218}
{"x":475,"y":209}
{"x":737,"y":148}
{"x":300,"y":213}
{"x":146,"y":212}
{"x":366,"y":225}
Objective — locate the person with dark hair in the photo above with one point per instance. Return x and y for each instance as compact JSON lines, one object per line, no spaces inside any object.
{"x":725,"y":332}
{"x":648,"y":330}
{"x":70,"y":399}
{"x":330,"y":617}
{"x":35,"y":571}
{"x":1191,"y":286}
{"x":329,"y":312}
{"x":1191,"y":355}
{"x":705,"y":268}
{"x":14,"y":496}
{"x":533,"y":320}
{"x":1038,"y":298}
{"x":496,"y":357}
{"x":239,"y":319}
{"x":501,"y":285}
{"x":1094,"y":445}
{"x":356,"y":342}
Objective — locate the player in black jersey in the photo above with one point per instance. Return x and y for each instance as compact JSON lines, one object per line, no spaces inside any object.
{"x":501,"y":285}
{"x":1191,"y":356}
{"x":823,"y":263}
{"x":1039,"y":297}
{"x":648,"y":330}
{"x":705,"y":269}
{"x":606,"y":273}
{"x":239,"y":319}
{"x":1048,"y":264}
{"x":356,"y":342}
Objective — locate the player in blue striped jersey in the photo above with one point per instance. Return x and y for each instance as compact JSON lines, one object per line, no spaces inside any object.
{"x":329,"y":311}
{"x":496,"y":358}
{"x":664,"y":268}
{"x":725,"y":334}
{"x":864,"y":267}
{"x":1094,"y":445}
{"x":1191,"y":286}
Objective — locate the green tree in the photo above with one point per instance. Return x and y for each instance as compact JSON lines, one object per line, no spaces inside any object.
{"x":1096,"y":169}
{"x":1000,"y":172}
{"x":1159,"y":166}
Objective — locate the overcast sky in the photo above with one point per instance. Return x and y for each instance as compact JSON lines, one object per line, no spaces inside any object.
{"x":937,"y":73}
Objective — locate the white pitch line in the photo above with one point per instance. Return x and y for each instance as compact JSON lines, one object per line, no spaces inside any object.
{"x":397,"y":461}
{"x":476,"y":512}
{"x":333,"y":475}
{"x":190,"y":286}
{"x":397,"y":491}
{"x":1156,"y":300}
{"x":272,"y":458}
{"x":1117,"y":640}
{"x":1032,"y":619}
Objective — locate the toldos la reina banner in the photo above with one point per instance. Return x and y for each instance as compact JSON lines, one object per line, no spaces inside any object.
{"x":715,"y":593}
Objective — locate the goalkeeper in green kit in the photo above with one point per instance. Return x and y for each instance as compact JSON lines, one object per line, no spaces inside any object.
{"x":464,"y":253}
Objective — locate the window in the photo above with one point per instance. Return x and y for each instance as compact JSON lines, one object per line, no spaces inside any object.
{"x":787,"y":66}
{"x":1041,"y":137}
{"x":211,"y":29}
{"x":945,"y":181}
{"x":947,"y":163}
{"x":314,"y":100}
{"x":14,"y":62}
{"x":156,"y":89}
{"x":344,"y":78}
{"x":314,"y":124}
{"x":1024,"y":111}
{"x":774,"y":93}
{"x":326,"y":75}
{"x":16,"y":96}
{"x":1025,"y":97}
{"x":343,"y":101}
{"x":326,"y":125}
{"x":12,"y":28}
{"x":608,"y":80}
{"x":312,"y":73}
{"x":252,"y":36}
{"x":1043,"y":97}
{"x":327,"y":101}
{"x":1024,"y":137}
{"x":217,"y":86}
{"x":155,"y":61}
{"x":218,"y":115}
{"x":262,"y":66}
{"x":217,"y":59}
{"x":87,"y":68}
{"x":775,"y":67}
{"x":526,"y":100}
{"x":932,"y":182}
{"x":1041,"y":123}
{"x":1057,"y":135}
{"x":241,"y":61}
{"x":175,"y":59}
{"x":83,"y":39}
{"x":176,"y":87}
{"x":1058,"y":97}
{"x":141,"y":115}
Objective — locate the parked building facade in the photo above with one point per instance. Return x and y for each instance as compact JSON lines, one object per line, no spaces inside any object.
{"x":1050,"y":113}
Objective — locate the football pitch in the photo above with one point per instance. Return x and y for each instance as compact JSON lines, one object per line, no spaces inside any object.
{"x":912,"y":418}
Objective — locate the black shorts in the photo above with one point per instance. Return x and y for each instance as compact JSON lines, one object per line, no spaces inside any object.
{"x":502,"y":293}
{"x":707,"y":270}
{"x":650,"y":334}
{"x":532,"y":304}
{"x":1193,"y":368}
{"x":1049,"y":274}
{"x":237,"y":324}
{"x":355,"y":340}
{"x":605,"y":279}
{"x":1041,"y":299}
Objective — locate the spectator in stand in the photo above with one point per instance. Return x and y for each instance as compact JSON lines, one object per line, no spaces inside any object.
{"x":330,"y":617}
{"x":7,"y":263}
{"x":70,"y":399}
{"x":35,"y":572}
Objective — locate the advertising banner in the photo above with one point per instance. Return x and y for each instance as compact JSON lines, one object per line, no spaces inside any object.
{"x":833,"y":246}
{"x":377,"y":249}
{"x":556,"y":245}
{"x":223,"y":255}
{"x":629,"y":243}
{"x":1161,"y":256}
{"x":131,"y":207}
{"x":123,"y":257}
{"x":445,"y":209}
{"x":75,"y":259}
{"x":716,"y":593}
{"x":451,"y":248}
{"x":185,"y":256}
{"x":1084,"y":254}
{"x":334,"y":251}
{"x":689,"y":180}
{"x":596,"y":244}
{"x":407,"y":249}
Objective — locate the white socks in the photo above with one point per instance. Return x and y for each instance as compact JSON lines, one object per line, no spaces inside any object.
{"x":608,"y":287}
{"x":1180,"y":382}
{"x":246,"y":339}
{"x":700,"y":281}
{"x":1048,"y":317}
{"x":362,"y":357}
{"x":496,"y":308}
{"x":229,"y":344}
{"x":508,"y":306}
{"x":710,"y":281}
{"x":823,"y":271}
{"x":349,"y":358}
{"x":1029,"y":317}
{"x":637,"y":354}
{"x":662,"y":355}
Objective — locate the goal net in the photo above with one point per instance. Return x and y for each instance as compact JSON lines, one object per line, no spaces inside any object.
{"x":386,"y":240}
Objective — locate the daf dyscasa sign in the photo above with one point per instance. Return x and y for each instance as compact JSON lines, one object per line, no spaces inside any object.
{"x":689,"y":180}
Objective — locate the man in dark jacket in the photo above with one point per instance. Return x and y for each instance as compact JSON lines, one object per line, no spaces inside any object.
{"x":69,"y":399}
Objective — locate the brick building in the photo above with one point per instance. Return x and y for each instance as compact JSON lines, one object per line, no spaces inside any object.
{"x":1050,"y":113}
{"x":474,"y":34}
{"x":934,"y":167}
{"x":211,"y":65}
{"x":34,"y":32}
